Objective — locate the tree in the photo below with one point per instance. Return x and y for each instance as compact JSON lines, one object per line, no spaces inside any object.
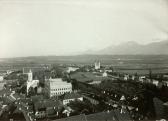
{"x":22,"y":79}
{"x":31,"y":92}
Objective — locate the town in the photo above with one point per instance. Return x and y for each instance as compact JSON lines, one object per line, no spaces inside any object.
{"x":82,"y":92}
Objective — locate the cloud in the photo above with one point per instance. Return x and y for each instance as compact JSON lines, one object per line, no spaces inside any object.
{"x":56,"y":27}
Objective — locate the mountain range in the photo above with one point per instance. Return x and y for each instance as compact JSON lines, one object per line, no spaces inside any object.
{"x":133,"y":48}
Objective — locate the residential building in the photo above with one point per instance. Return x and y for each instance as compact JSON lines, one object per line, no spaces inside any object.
{"x":47,"y":108}
{"x":72,"y":69}
{"x":68,"y":97}
{"x":114,"y":115}
{"x":155,"y":82}
{"x":142,"y":78}
{"x":57,"y":87}
{"x":92,"y":100}
{"x":126,"y":77}
{"x":105,"y":74}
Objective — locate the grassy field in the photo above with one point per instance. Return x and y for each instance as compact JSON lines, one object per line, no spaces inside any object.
{"x":123,"y":63}
{"x":87,"y":76}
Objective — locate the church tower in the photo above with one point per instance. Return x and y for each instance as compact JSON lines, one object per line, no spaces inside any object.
{"x":97,"y":65}
{"x":30,"y":75}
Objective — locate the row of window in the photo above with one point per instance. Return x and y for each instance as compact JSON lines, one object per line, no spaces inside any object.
{"x":58,"y":93}
{"x":61,"y":89}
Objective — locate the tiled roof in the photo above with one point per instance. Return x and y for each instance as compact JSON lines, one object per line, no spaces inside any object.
{"x":102,"y":116}
{"x":113,"y":115}
{"x":71,"y":96}
{"x":81,"y":117}
{"x":47,"y":103}
{"x":36,"y":98}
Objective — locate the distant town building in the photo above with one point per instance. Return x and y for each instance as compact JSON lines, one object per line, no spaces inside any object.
{"x":97,"y":65}
{"x":142,"y":78}
{"x":126,"y":77}
{"x":155,"y":82}
{"x":57,"y":86}
{"x":9,"y":72}
{"x":105,"y":74}
{"x":31,"y":82}
{"x":165,"y":83}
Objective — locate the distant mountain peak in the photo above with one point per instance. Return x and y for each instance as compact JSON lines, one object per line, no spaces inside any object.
{"x":134,"y":48}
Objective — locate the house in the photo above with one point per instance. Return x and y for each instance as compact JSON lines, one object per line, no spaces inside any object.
{"x":155,"y":82}
{"x":126,"y":77}
{"x":47,"y":108}
{"x":142,"y":78}
{"x":105,"y":74}
{"x":114,"y":115}
{"x":92,"y":100}
{"x":67,"y":111}
{"x":72,"y":69}
{"x":165,"y":83}
{"x":68,"y":97}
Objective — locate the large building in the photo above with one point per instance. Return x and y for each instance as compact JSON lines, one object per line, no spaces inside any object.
{"x":31,"y":82}
{"x":57,"y":87}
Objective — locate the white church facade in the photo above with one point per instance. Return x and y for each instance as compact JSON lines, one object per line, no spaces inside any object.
{"x":31,"y":82}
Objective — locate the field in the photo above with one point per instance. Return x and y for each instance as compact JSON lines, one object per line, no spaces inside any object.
{"x":87,"y":76}
{"x":123,"y":63}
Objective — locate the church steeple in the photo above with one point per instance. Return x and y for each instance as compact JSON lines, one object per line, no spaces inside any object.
{"x":30,"y":75}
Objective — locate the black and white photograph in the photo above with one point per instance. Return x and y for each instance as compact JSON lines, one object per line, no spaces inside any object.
{"x":83,"y":60}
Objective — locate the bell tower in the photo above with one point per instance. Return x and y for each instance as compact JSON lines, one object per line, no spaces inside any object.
{"x":30,"y":75}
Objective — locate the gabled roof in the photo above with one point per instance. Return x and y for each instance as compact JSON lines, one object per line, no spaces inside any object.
{"x":113,"y":115}
{"x":71,"y":96}
{"x":81,"y":117}
{"x":47,"y":103}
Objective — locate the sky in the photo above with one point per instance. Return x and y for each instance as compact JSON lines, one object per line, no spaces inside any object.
{"x":67,"y":27}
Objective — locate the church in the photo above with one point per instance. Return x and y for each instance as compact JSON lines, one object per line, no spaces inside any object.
{"x":31,"y":82}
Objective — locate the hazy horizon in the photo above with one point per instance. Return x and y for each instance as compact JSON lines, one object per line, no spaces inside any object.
{"x":69,"y":27}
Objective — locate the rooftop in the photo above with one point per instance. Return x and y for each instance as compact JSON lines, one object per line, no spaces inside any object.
{"x":113,"y":115}
{"x":57,"y":81}
{"x":71,"y":96}
{"x":47,"y":103}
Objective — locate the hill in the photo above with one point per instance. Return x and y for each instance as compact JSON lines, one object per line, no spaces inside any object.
{"x":133,"y":48}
